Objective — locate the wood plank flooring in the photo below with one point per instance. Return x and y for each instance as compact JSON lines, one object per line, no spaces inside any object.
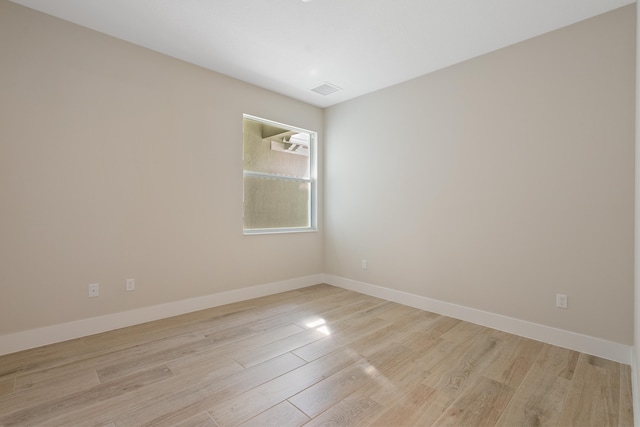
{"x":319,"y":356}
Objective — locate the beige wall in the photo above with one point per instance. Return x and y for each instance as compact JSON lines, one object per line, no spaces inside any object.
{"x":119,"y":162}
{"x":498,"y":182}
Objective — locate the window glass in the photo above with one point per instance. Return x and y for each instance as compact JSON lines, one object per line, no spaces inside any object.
{"x":278,"y":185}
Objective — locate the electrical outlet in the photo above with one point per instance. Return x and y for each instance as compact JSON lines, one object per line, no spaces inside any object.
{"x":364,"y":264}
{"x":94,"y":290}
{"x":131,"y":284}
{"x":561,"y":301}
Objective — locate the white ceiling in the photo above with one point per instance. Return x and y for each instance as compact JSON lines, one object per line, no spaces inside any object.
{"x":291,"y":46}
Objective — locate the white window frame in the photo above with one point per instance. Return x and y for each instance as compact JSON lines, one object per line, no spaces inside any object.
{"x":312,"y":180}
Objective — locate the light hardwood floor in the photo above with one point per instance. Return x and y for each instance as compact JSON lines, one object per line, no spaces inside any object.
{"x":315,"y":356}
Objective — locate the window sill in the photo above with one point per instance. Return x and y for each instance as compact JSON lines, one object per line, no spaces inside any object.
{"x":278,"y":231}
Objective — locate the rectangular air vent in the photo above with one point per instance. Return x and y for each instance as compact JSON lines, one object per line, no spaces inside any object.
{"x":326,"y":89}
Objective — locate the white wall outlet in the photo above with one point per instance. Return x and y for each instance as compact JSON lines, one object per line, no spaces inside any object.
{"x":94,"y":290}
{"x":561,"y":301}
{"x":131,"y":284}
{"x":364,"y":264}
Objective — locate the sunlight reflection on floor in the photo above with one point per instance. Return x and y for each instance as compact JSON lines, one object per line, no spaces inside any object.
{"x":320,"y":326}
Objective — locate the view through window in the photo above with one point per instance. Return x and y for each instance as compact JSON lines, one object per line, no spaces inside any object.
{"x":278,"y":166}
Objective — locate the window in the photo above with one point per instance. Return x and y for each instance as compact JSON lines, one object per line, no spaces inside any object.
{"x":279,"y":184}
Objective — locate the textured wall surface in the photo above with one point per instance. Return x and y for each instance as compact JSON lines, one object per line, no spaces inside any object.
{"x":498,"y":182}
{"x":119,"y":162}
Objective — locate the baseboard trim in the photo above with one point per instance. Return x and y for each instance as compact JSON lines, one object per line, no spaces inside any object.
{"x":561,"y":338}
{"x":11,"y":343}
{"x":635,"y":389}
{"x":32,"y":338}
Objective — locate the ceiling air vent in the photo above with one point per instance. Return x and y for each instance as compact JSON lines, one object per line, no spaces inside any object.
{"x":326,"y":89}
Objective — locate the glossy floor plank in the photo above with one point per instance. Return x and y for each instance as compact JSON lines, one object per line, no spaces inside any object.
{"x":314,"y":356}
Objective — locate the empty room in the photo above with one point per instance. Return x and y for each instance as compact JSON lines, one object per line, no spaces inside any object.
{"x":318,"y":212}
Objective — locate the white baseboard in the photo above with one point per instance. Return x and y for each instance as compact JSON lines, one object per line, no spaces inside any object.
{"x":24,"y":340}
{"x":561,"y":338}
{"x":635,"y":390}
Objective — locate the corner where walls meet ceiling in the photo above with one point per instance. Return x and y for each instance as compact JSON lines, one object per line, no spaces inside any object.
{"x":294,"y":46}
